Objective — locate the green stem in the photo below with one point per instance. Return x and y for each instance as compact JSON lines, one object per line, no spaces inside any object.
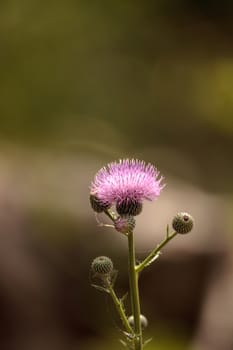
{"x":112,"y":216}
{"x":119,"y":307}
{"x":134,"y":292}
{"x":151,"y":256}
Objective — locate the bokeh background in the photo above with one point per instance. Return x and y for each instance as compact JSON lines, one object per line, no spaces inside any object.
{"x":87,"y":82}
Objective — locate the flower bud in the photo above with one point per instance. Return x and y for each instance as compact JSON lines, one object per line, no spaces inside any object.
{"x":127,"y":207}
{"x":102,"y":265}
{"x":183,"y":223}
{"x":125,"y":224}
{"x":97,"y":205}
{"x":143,"y":320}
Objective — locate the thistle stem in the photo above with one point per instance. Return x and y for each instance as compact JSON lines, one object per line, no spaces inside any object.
{"x":151,"y":256}
{"x":134,"y":293}
{"x":119,"y":307}
{"x":112,"y":216}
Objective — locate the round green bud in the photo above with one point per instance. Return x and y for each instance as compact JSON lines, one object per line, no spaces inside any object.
{"x":125,"y":224}
{"x":97,"y":205}
{"x":143,"y":320}
{"x":102,"y":265}
{"x":130,"y":208}
{"x":183,"y":223}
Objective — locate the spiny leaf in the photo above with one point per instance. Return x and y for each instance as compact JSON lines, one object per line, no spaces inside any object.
{"x":124,"y":297}
{"x":100,"y":288}
{"x":114,"y":277}
{"x":123,"y":343}
{"x":126,"y":345}
{"x":129,"y":336}
{"x":147,"y":342}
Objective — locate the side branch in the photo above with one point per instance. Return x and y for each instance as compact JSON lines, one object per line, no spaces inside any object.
{"x":154,"y":252}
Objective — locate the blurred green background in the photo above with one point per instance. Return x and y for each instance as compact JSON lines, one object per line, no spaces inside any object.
{"x":87,"y":82}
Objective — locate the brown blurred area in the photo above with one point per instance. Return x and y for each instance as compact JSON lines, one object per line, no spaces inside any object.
{"x":84,"y":83}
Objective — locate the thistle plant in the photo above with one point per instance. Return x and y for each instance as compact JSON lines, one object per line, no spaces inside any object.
{"x":118,"y":191}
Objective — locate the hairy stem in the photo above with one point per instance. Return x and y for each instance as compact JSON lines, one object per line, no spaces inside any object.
{"x":134,"y":293}
{"x":119,"y":307}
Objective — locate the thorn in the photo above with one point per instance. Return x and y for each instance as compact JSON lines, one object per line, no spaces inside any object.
{"x":124,"y":297}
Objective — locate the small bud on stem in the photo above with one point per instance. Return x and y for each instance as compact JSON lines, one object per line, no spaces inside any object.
{"x":143,"y":320}
{"x":125,"y":224}
{"x":102,"y":266}
{"x":183,"y":223}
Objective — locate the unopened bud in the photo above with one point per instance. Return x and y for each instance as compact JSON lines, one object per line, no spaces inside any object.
{"x":125,"y":224}
{"x":102,"y":265}
{"x":183,"y":223}
{"x":143,"y":320}
{"x":97,"y":205}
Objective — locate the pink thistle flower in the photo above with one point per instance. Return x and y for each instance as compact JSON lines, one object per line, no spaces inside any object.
{"x":126,"y":184}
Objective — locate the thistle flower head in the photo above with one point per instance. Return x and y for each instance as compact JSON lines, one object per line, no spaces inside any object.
{"x":126,"y":184}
